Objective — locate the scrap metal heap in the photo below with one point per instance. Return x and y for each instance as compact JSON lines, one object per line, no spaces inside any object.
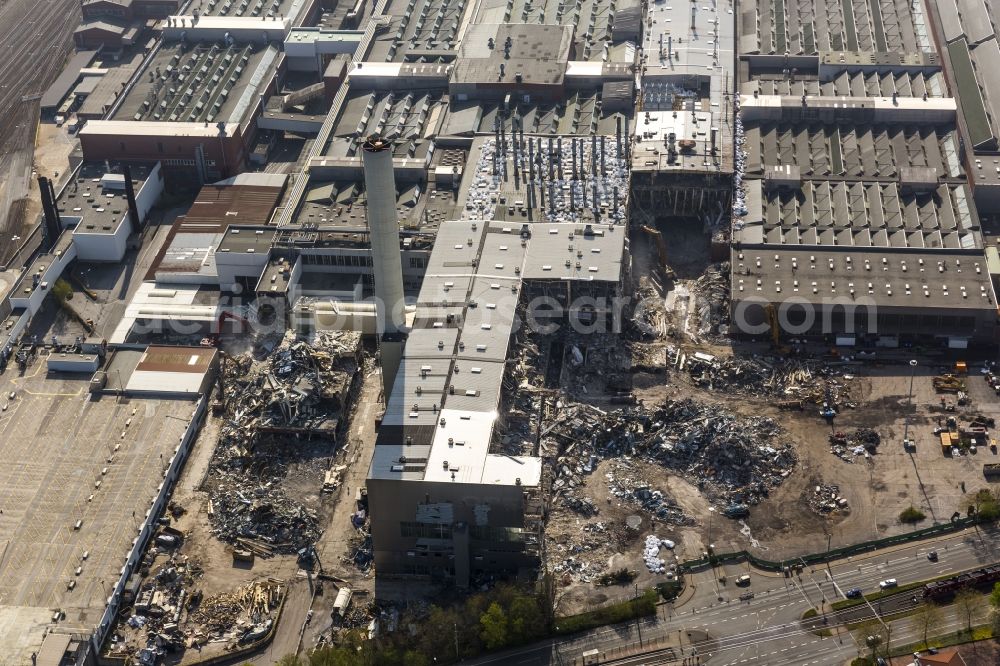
{"x":272,"y":407}
{"x":735,"y":459}
{"x":169,"y":612}
{"x":860,"y":442}
{"x":791,"y":380}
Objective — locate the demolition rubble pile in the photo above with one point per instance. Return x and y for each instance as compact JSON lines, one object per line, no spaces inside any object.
{"x":790,"y":382}
{"x":158,"y":612}
{"x":712,"y":289}
{"x":625,"y":484}
{"x":576,"y":558}
{"x":860,"y":442}
{"x":242,"y":616}
{"x":732,"y":459}
{"x":649,"y":314}
{"x":169,"y":613}
{"x":827,"y":499}
{"x":272,"y":408}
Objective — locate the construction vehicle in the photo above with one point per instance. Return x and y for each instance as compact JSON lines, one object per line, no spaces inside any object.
{"x":772,"y":321}
{"x":948,"y":383}
{"x":661,"y":248}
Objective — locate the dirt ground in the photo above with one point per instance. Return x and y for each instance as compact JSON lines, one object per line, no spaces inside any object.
{"x":783,"y":525}
{"x":220,"y":574}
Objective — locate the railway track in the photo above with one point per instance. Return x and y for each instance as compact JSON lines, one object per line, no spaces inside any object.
{"x":35,"y":39}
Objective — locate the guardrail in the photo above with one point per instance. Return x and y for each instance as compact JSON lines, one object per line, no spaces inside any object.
{"x":832,"y":554}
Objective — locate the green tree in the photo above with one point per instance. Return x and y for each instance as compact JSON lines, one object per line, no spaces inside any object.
{"x":414,"y":658}
{"x":927,"y":617}
{"x":288,"y":660}
{"x":911,"y":515}
{"x":62,"y":290}
{"x":995,"y":597}
{"x":494,"y":627}
{"x":967,"y":604}
{"x":525,"y":619}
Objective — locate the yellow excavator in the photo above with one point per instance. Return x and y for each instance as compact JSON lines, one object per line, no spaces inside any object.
{"x":661,"y":248}
{"x":772,"y":320}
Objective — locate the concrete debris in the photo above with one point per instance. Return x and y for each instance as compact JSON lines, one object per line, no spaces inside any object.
{"x":623,"y":485}
{"x":168,"y":612}
{"x":650,"y":314}
{"x":242,"y":616}
{"x":807,"y":381}
{"x":827,"y":499}
{"x":581,"y":505}
{"x":273,"y":407}
{"x":712,"y":289}
{"x":732,"y":459}
{"x":860,"y":442}
{"x":651,"y":554}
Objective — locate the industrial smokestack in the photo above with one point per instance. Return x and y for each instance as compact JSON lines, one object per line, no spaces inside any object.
{"x":133,"y":210}
{"x":52,"y":224}
{"x":383,"y":229}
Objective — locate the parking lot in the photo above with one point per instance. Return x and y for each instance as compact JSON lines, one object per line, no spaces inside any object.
{"x":69,"y":456}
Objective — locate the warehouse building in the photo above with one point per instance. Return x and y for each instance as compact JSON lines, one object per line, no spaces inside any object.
{"x":854,"y":221}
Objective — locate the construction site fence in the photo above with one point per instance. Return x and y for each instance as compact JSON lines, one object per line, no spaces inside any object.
{"x":832,"y":554}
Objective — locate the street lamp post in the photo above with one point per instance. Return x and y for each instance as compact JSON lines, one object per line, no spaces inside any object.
{"x":711,"y":514}
{"x":909,"y":406}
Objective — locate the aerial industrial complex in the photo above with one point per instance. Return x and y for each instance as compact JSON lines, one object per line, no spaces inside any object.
{"x":444,"y":293}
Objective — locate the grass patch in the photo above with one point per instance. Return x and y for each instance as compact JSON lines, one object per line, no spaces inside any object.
{"x":875,"y":596}
{"x":980,"y":633}
{"x":670,"y":589}
{"x":621,"y":612}
{"x":812,"y":612}
{"x":911,"y":515}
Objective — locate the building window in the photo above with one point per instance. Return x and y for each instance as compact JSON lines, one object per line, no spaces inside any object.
{"x":416,"y":262}
{"x":121,"y":144}
{"x":414,"y":530}
{"x":159,"y":146}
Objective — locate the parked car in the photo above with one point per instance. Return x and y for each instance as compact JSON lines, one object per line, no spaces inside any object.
{"x":743,"y":580}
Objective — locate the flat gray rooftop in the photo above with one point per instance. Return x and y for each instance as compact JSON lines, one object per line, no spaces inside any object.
{"x":56,"y":441}
{"x":101,"y":209}
{"x":913,"y":280}
{"x":855,"y":152}
{"x":201,"y":83}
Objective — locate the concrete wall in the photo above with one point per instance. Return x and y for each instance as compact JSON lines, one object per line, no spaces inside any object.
{"x":393,"y":502}
{"x":53,"y":271}
{"x":175,"y":465}
{"x":233,"y":265}
{"x":112,"y":246}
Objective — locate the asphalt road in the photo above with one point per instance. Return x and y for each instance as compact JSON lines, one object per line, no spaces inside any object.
{"x":767,"y":629}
